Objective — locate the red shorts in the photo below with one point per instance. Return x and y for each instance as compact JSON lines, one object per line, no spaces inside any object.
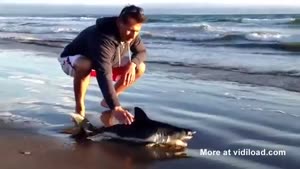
{"x":116,"y":71}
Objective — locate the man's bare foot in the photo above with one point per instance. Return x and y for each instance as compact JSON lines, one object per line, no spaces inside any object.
{"x":104,"y":104}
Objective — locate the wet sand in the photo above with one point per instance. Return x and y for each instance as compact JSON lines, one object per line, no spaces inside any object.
{"x":27,"y":149}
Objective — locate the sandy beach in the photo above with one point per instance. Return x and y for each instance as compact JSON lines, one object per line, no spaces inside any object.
{"x":24,"y":148}
{"x":21,"y":148}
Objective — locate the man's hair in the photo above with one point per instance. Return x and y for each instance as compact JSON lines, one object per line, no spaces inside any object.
{"x":133,"y":12}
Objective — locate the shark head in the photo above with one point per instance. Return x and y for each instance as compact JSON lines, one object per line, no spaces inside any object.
{"x":163,"y":133}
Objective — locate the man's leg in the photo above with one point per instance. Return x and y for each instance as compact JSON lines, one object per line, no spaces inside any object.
{"x":81,"y":81}
{"x":119,"y":87}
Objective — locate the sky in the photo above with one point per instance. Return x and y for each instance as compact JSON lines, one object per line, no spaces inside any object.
{"x":91,"y":7}
{"x":293,"y":3}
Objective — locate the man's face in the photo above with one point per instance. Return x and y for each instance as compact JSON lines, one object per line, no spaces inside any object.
{"x":128,"y":31}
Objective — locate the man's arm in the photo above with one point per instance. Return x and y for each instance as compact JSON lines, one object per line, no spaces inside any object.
{"x":138,"y":51}
{"x":101,"y":61}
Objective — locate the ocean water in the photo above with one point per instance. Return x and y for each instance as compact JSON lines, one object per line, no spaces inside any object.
{"x":232,"y":78}
{"x":240,"y":45}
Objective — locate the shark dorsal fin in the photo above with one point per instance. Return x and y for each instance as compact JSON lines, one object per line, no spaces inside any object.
{"x":139,"y":114}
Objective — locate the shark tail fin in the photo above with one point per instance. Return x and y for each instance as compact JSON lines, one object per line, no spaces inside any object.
{"x":77,"y":119}
{"x":82,"y":125}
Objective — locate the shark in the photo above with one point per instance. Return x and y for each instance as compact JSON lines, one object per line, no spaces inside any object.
{"x":142,"y":130}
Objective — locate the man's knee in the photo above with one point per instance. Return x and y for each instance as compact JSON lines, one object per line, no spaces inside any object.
{"x":140,"y":70}
{"x":83,"y":65}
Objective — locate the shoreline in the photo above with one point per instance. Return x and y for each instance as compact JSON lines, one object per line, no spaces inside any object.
{"x":280,"y":81}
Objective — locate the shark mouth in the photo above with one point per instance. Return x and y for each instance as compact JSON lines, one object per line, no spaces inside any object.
{"x":189,"y":136}
{"x":186,"y":138}
{"x":179,"y":143}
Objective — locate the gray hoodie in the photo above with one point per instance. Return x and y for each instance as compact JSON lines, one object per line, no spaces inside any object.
{"x":101,"y":43}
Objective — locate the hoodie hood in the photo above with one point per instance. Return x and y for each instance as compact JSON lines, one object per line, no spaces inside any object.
{"x":107,"y":26}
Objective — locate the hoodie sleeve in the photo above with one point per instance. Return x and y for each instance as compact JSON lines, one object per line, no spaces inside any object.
{"x":103,"y":67}
{"x":138,"y":51}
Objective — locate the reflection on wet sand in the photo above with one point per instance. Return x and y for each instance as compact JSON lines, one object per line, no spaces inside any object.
{"x":115,"y":154}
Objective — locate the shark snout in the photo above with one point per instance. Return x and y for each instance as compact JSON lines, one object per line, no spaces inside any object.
{"x":191,"y":133}
{"x":188,"y":135}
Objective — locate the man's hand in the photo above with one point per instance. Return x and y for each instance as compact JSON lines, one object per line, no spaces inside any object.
{"x":129,"y":74}
{"x":123,"y":116}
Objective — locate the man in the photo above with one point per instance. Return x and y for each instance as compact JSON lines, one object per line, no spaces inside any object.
{"x":103,"y":47}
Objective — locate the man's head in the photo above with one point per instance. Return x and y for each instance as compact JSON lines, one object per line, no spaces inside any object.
{"x":130,"y":22}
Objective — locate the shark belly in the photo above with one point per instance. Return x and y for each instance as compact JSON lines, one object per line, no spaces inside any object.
{"x":111,"y":135}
